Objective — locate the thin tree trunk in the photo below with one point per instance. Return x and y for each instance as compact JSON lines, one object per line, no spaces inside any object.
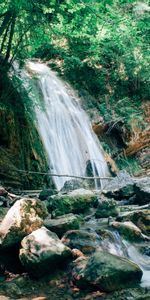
{"x":8,"y":15}
{"x":5,"y":36}
{"x":18,"y":44}
{"x":10,"y":38}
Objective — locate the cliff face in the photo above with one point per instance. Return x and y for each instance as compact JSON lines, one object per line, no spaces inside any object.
{"x":20,"y":145}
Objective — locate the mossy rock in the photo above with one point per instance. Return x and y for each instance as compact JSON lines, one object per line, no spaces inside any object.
{"x":128,"y":230}
{"x":105,"y":272}
{"x":107,"y":208}
{"x":42,"y":251}
{"x":62,"y":224}
{"x":76,"y":202}
{"x":86,"y":242}
{"x":140,"y":218}
{"x":25,"y":216}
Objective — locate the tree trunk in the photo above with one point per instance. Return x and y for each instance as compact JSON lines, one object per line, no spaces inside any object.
{"x":6,"y":20}
{"x":5,"y":36}
{"x":10,"y":38}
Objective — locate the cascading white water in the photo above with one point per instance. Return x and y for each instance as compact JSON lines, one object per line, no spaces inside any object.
{"x":64,"y":127}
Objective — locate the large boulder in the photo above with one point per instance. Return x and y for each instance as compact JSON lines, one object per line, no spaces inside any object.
{"x":62,"y":224}
{"x":120,"y":187}
{"x":42,"y":251}
{"x":106,"y":272}
{"x":140,"y":218}
{"x":76,"y":202}
{"x":142,"y":191}
{"x":85,"y":241}
{"x":22,"y":218}
{"x":128,"y":230}
{"x":106,"y":208}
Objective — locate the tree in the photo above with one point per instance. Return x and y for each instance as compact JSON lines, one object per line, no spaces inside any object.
{"x":22,"y":22}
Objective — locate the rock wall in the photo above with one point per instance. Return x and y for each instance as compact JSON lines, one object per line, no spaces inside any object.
{"x":20,"y":145}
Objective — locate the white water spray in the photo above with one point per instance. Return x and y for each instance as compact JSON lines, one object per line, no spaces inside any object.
{"x":64,"y":128}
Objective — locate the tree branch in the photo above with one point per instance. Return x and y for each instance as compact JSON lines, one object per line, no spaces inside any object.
{"x":63,"y":175}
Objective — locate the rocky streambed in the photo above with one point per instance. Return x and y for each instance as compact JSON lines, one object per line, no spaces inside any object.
{"x":78,"y":243}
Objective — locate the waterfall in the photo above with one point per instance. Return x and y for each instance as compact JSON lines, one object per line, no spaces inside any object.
{"x":64,"y":127}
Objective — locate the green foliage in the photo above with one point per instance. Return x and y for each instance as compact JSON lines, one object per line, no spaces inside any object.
{"x":100,"y":46}
{"x":24,"y":25}
{"x":130,"y":164}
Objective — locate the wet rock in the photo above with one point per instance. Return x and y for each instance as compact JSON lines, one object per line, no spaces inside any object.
{"x":112,"y":242}
{"x":85,"y":241}
{"x":128,"y":230}
{"x":120,"y":187}
{"x":42,"y":251}
{"x":140,"y":218}
{"x":77,"y":201}
{"x":73,"y":184}
{"x":62,"y":224}
{"x":106,"y":272}
{"x":106,"y":208}
{"x":44,"y":194}
{"x":142,"y":191}
{"x":22,"y":218}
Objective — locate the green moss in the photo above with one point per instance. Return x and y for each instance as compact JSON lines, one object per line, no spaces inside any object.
{"x":60,"y":205}
{"x":130,"y":164}
{"x":107,"y":208}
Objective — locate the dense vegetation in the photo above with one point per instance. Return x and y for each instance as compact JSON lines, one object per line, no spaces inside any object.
{"x":99,"y":46}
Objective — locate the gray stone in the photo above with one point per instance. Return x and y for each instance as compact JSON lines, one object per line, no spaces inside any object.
{"x":22,"y":218}
{"x":105,"y":272}
{"x":62,"y":224}
{"x":42,"y":251}
{"x":73,"y":184}
{"x":85,"y":241}
{"x":128,"y":230}
{"x":120,"y":187}
{"x":140,"y":218}
{"x":142,"y":191}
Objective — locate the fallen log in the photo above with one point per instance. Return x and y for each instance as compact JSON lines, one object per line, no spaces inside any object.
{"x":139,"y":143}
